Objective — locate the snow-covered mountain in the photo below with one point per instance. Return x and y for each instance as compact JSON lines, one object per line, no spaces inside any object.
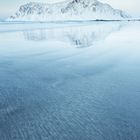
{"x":67,"y":10}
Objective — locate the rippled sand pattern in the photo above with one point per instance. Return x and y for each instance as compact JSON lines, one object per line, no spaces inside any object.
{"x":77,"y":82}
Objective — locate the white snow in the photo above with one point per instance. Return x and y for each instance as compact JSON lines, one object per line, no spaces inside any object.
{"x":67,"y":10}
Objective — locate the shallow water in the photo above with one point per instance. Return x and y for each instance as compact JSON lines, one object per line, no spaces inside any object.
{"x":70,"y":81}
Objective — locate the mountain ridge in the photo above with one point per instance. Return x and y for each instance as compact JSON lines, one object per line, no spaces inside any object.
{"x":67,"y":10}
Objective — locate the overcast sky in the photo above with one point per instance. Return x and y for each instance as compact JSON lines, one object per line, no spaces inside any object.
{"x":8,"y":7}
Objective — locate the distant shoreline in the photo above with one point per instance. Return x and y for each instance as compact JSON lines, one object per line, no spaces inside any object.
{"x":66,"y":21}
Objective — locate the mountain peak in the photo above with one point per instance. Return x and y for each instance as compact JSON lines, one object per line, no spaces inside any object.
{"x":67,"y":10}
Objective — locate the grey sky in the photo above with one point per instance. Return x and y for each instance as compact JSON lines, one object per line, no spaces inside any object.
{"x":8,"y":7}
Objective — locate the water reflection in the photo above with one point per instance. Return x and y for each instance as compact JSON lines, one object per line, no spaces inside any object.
{"x":78,"y":36}
{"x":37,"y":35}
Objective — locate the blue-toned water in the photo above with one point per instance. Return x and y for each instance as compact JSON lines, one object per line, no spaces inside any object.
{"x":70,"y":81}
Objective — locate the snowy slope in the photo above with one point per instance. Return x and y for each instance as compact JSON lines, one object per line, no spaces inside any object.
{"x":67,"y":10}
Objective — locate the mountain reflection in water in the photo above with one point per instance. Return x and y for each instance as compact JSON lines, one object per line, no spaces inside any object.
{"x":83,"y":36}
